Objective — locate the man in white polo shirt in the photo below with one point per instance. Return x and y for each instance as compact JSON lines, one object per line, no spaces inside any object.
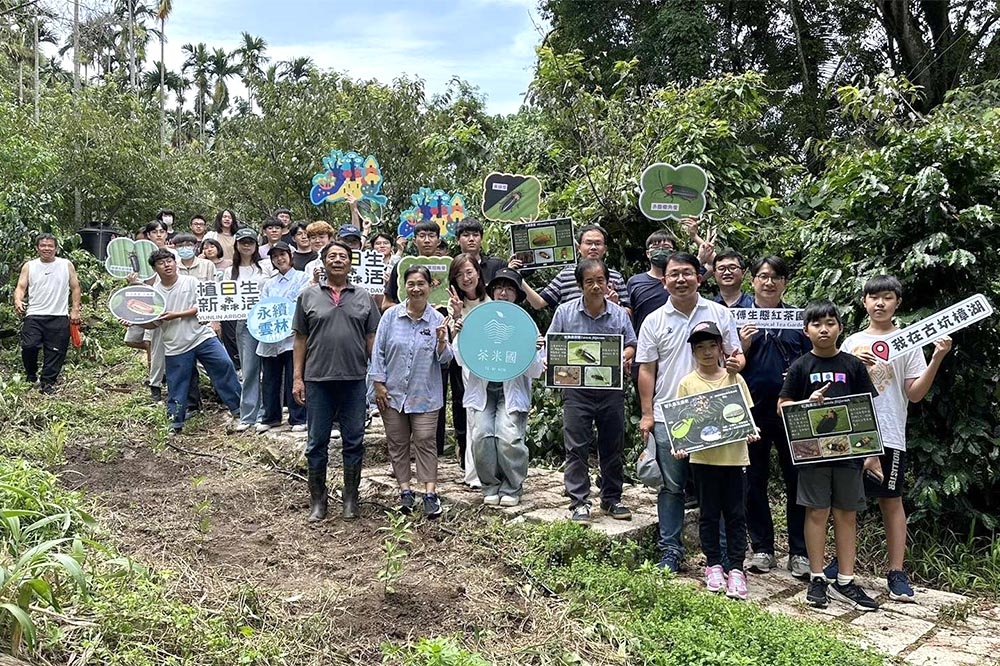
{"x":665,"y":357}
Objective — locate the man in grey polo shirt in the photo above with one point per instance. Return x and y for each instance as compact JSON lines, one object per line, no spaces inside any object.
{"x":334,"y":328}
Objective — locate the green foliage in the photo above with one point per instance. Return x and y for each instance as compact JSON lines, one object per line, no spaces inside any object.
{"x":915,"y":198}
{"x":398,"y":535}
{"x":442,"y":651}
{"x":654,"y":620}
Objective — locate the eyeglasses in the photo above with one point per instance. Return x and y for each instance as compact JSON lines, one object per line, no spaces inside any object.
{"x":729,"y":268}
{"x":592,"y":243}
{"x":676,"y":275}
{"x":661,"y":246}
{"x":769,"y":277}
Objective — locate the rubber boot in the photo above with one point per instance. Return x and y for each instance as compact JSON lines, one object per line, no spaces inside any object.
{"x":352,"y":479}
{"x":317,"y":494}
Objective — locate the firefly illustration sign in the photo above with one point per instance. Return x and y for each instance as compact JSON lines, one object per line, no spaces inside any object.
{"x":835,"y":429}
{"x":444,"y":209}
{"x":706,"y":420}
{"x":271,"y":319}
{"x":672,"y":192}
{"x":497,"y":341}
{"x":933,"y":328}
{"x":509,"y":197}
{"x":137,"y":304}
{"x":544,"y":244}
{"x":583,"y":361}
{"x":438,"y":267}
{"x":347,"y":173}
{"x":126,"y":256}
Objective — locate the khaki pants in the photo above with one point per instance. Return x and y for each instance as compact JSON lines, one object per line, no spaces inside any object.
{"x":403,"y":431}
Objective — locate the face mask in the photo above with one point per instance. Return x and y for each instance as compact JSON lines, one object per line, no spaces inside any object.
{"x":659,"y":258}
{"x":185,"y":252}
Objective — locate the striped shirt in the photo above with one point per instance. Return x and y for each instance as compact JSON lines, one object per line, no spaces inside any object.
{"x":564,"y":289}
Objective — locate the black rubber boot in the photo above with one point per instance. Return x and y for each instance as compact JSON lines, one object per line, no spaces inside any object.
{"x":317,"y":494}
{"x":352,"y":479}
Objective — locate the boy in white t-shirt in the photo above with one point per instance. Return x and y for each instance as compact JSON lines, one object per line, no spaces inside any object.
{"x":905,"y":378}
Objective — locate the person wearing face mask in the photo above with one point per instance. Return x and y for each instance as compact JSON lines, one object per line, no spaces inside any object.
{"x":645,"y":290}
{"x":185,"y":245}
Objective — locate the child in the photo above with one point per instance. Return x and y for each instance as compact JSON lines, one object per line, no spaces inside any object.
{"x":905,"y":378}
{"x":837,"y":484}
{"x":719,"y":472}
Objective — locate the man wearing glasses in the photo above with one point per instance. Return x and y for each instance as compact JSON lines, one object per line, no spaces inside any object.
{"x":665,"y":357}
{"x":591,"y":243}
{"x":730,"y":267}
{"x":769,"y":352}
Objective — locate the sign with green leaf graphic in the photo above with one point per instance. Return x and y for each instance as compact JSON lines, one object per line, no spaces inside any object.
{"x":667,"y":191}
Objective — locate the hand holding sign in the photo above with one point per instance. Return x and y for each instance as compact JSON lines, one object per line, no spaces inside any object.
{"x":931,"y":329}
{"x":819,"y":395}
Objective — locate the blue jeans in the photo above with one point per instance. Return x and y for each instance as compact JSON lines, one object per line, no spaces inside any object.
{"x":670,"y":500}
{"x":341,"y":401}
{"x":277,"y":387}
{"x":180,"y":368}
{"x":250,"y":410}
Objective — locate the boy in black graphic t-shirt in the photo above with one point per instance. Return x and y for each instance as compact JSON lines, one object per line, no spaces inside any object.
{"x":835,"y":484}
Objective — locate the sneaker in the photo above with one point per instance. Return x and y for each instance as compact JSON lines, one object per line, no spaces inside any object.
{"x":407,"y":500}
{"x":156,"y":394}
{"x":816,"y":595}
{"x":799,"y":566}
{"x":715,"y":578}
{"x":262,"y":428}
{"x":899,"y":588}
{"x":31,"y":379}
{"x":852,"y":595}
{"x":432,"y":505}
{"x":831,"y":570}
{"x":581,"y":513}
{"x":736,"y":586}
{"x":48,"y":389}
{"x":300,"y":427}
{"x":242,"y":427}
{"x":334,"y":434}
{"x":491,"y":500}
{"x":509,"y":500}
{"x":618,"y":511}
{"x":762,"y":563}
{"x":670,"y":561}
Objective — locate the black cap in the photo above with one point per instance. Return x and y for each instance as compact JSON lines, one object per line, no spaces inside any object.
{"x":279,"y":246}
{"x":510,"y":275}
{"x":706,"y":330}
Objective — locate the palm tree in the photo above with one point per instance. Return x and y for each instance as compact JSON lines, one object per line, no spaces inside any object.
{"x":251,"y":55}
{"x":297,"y":69}
{"x":221,"y":67}
{"x":197,"y":63}
{"x":162,"y":12}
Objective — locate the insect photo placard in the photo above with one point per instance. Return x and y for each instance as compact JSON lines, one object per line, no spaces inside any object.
{"x":706,"y":420}
{"x":668,"y":192}
{"x":576,"y":360}
{"x":544,"y":244}
{"x":137,"y":304}
{"x":835,"y":429}
{"x":127,"y":256}
{"x":438,"y":268}
{"x":511,"y":197}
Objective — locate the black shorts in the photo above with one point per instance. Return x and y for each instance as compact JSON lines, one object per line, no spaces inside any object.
{"x":823,"y":486}
{"x":893,"y":470}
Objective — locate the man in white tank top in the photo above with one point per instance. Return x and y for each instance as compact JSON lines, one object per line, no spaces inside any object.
{"x":43,"y":294}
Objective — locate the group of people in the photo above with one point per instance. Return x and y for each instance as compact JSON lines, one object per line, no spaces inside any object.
{"x":351,"y":349}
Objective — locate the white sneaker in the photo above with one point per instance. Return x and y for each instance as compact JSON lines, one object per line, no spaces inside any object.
{"x":300,"y":427}
{"x":799,"y":566}
{"x":262,"y":428}
{"x":242,"y":427}
{"x":762,"y":562}
{"x":491,"y":500}
{"x":334,"y":434}
{"x":510,"y":500}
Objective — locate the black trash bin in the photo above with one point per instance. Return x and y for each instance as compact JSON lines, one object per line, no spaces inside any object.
{"x":96,"y":237}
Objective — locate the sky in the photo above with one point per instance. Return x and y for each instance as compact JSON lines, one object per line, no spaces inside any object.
{"x":489,"y":43}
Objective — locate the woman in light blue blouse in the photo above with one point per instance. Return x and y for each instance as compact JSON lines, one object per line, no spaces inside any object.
{"x":411,"y":345}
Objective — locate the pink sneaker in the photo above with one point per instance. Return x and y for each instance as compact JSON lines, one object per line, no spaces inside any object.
{"x":715,"y":578}
{"x":736,"y":588}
